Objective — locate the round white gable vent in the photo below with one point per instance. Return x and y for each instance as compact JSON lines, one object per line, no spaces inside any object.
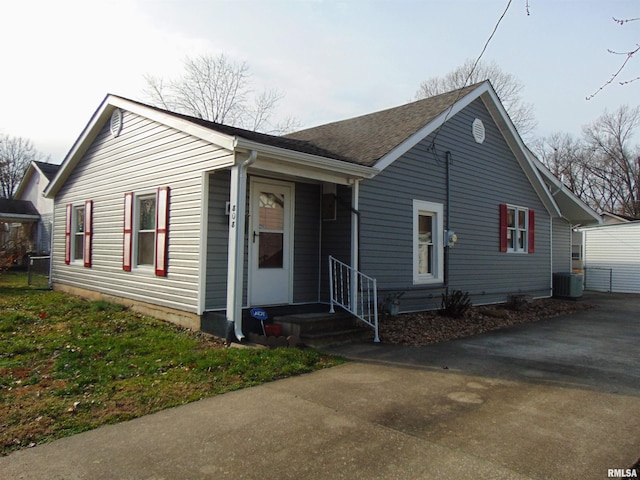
{"x":116,"y":122}
{"x":478,"y":130}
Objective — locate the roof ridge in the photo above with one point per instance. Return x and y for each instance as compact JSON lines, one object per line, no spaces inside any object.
{"x":431,"y":99}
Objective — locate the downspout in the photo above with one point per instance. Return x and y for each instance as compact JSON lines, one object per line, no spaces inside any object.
{"x":447,"y":157}
{"x":355,"y":242}
{"x":235,"y":265}
{"x":551,"y":255}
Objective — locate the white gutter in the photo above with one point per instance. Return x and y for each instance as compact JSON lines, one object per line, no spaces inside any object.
{"x":19,"y":217}
{"x":308,"y":160}
{"x":235,"y":263}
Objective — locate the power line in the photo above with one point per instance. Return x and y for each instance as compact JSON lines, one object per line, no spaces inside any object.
{"x":475,"y":64}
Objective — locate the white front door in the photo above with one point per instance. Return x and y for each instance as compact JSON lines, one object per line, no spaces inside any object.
{"x":270,"y":242}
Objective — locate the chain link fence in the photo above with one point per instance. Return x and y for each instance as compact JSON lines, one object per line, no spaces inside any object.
{"x":38,"y":268}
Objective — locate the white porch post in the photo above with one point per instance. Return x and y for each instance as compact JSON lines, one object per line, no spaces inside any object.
{"x":235,"y":264}
{"x":355,"y":194}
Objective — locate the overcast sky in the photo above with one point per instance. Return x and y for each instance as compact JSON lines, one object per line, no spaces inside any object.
{"x":332,"y":59}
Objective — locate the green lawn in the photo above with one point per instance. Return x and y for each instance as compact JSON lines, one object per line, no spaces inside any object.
{"x":68,"y":365}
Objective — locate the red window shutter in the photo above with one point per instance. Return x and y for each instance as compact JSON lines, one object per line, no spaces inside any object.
{"x":503,"y":227}
{"x":531,"y":243}
{"x":67,"y":234}
{"x":128,"y":232}
{"x":88,"y":232}
{"x":162,"y":231}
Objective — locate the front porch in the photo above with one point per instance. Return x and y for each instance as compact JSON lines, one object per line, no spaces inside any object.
{"x":312,"y":324}
{"x":268,"y":237}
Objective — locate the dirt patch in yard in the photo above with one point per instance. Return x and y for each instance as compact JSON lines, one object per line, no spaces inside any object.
{"x":416,"y":329}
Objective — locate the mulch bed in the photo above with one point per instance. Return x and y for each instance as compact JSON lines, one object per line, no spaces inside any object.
{"x":416,"y":329}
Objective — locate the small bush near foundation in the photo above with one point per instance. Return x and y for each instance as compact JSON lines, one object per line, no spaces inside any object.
{"x":455,"y":304}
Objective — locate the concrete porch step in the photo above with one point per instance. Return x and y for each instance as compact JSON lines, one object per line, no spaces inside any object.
{"x":324,"y":329}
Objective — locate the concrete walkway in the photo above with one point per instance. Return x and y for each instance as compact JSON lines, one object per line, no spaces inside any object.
{"x":552,"y":400}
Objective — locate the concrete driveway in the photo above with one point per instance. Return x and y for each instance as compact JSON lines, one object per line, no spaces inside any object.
{"x":552,"y":400}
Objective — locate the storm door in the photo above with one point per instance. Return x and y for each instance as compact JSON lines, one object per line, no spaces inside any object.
{"x":270,"y":242}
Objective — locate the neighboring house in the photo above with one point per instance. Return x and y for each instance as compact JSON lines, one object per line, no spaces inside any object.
{"x":577,"y":238}
{"x":612,"y":255}
{"x":191,"y":220}
{"x":30,"y":189}
{"x":18,"y":232}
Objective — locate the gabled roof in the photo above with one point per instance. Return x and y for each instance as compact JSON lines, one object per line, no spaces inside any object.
{"x":359,"y":147}
{"x":48,"y":171}
{"x":369,"y":138}
{"x":233,"y":139}
{"x":284,"y":142}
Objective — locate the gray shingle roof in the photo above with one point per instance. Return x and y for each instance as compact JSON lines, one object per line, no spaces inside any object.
{"x":368,"y":138}
{"x":48,"y":169}
{"x":362,"y":140}
{"x":17,"y":207}
{"x":266,"y":139}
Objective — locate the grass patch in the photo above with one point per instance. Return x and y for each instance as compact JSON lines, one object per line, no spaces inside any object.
{"x":68,"y":365}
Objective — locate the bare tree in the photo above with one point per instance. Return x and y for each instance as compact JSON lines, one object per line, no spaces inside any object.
{"x":507,"y":86}
{"x":627,"y":55}
{"x":16,"y":153}
{"x":565,"y":156}
{"x":615,"y":163}
{"x":603,"y":167}
{"x":217,"y":89}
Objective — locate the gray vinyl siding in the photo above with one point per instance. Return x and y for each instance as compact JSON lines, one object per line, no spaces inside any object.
{"x":561,"y":236}
{"x":145,"y":156}
{"x":336,"y":238}
{"x":217,"y":241}
{"x":306,"y":243}
{"x":483,"y":176}
{"x":45,"y":227}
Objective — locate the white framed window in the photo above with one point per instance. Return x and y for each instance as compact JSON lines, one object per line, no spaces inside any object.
{"x":145,"y":237}
{"x":428,"y":247}
{"x":78,"y":233}
{"x":146,"y":231}
{"x":78,"y":223}
{"x":517,"y":229}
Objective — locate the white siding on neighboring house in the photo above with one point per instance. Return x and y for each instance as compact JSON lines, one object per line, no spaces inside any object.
{"x":612,"y":258}
{"x":32,"y":191}
{"x":145,"y":156}
{"x":561,"y":234}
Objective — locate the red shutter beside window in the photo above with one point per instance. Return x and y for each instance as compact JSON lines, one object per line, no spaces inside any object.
{"x":67,"y":234}
{"x":531,"y":243}
{"x":128,"y":232}
{"x":162,"y":231}
{"x":88,"y":232}
{"x":503,"y":227}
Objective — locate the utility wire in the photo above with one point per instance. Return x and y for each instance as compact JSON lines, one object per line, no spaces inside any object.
{"x":475,"y":64}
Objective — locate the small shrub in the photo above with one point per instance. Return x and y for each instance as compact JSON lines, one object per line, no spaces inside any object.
{"x":455,"y":304}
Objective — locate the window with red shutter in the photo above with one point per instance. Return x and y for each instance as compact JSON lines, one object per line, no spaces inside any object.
{"x":88,"y":232}
{"x":146,"y":231}
{"x":127,"y":247}
{"x":162,"y":231}
{"x":67,"y":234}
{"x":503,"y":227}
{"x":532,"y":232}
